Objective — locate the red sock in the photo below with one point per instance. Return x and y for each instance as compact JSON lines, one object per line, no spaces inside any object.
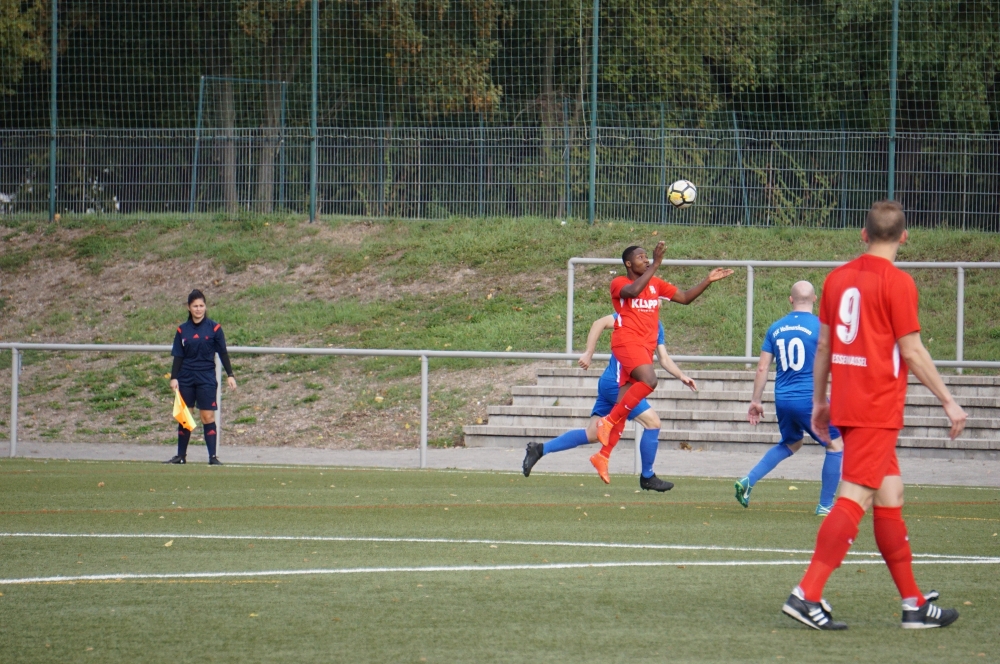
{"x":613,"y":438}
{"x":635,"y":394}
{"x":893,"y":543}
{"x":835,"y":537}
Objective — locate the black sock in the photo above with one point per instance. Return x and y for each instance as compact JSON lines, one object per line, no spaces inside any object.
{"x":210,"y":439}
{"x":183,"y":436}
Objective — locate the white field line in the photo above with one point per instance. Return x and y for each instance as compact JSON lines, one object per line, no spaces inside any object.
{"x":453,"y":568}
{"x":442,"y":540}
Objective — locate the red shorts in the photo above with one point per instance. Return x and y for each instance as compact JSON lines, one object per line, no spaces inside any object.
{"x":630,"y":357}
{"x":869,"y":455}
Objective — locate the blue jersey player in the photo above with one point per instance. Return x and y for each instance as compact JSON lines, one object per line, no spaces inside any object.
{"x":196,"y":344}
{"x":607,"y":396}
{"x":792,"y":342}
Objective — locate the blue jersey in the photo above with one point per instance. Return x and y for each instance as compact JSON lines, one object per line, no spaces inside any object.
{"x":792,"y":340}
{"x":611,"y":373}
{"x":198,"y":344}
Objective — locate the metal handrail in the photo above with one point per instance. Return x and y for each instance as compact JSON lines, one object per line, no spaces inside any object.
{"x":959,"y":266}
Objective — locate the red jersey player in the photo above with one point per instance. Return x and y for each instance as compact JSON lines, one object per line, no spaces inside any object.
{"x":636,"y":299}
{"x":869,"y":340}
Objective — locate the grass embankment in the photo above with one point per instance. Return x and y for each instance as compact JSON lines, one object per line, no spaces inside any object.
{"x":457,"y":284}
{"x":679,"y":610}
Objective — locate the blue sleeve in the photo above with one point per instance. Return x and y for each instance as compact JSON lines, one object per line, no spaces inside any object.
{"x":178,"y":349}
{"x":661,"y":340}
{"x":767,"y":346}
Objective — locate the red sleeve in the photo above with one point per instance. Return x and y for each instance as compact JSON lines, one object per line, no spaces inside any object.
{"x":903,"y":300}
{"x":617,"y":284}
{"x":665,"y":289}
{"x":826,"y":313}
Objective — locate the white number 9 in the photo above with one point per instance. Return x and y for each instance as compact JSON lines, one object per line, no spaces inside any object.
{"x":850,"y":315}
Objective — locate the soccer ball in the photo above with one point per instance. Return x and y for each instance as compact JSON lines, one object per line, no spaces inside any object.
{"x":682,"y":194}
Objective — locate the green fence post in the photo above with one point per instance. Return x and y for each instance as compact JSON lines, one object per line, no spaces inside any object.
{"x":893,"y":62}
{"x":482,"y":166}
{"x":843,"y":171}
{"x":314,"y":114}
{"x":53,"y":109}
{"x":592,"y":207}
{"x":197,"y":145}
{"x":663,"y":167}
{"x":743,"y":176}
{"x":568,"y":190}
{"x":380,"y":113}
{"x":281,"y":148}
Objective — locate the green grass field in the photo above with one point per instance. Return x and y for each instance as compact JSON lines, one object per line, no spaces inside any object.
{"x":499,"y":584}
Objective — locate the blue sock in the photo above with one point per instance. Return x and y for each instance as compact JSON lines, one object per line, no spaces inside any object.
{"x":769,"y":462}
{"x":648,"y":445}
{"x":210,"y":438}
{"x":831,"y":477}
{"x":567,"y":441}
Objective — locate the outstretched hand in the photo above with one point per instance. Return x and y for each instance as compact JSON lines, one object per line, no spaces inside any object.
{"x":719,"y":273}
{"x":687,"y":380}
{"x":658,"y":251}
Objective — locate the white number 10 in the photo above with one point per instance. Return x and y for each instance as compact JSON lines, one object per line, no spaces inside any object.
{"x":850,"y":315}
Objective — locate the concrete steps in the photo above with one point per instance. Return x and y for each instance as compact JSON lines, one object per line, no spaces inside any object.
{"x":715,"y":417}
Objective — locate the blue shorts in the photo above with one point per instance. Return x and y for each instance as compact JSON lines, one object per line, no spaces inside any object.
{"x":607,"y":397}
{"x":200,"y":395}
{"x":794,"y":419}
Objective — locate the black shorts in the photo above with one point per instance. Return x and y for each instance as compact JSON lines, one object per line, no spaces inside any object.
{"x":199,"y":395}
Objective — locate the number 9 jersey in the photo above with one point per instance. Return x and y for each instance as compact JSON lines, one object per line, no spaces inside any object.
{"x":868,"y":304}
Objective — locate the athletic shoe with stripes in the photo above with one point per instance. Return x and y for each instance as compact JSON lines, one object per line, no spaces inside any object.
{"x":927,"y":616}
{"x":817,"y":615}
{"x":823,"y":510}
{"x":743,"y":490}
{"x":532,"y":453}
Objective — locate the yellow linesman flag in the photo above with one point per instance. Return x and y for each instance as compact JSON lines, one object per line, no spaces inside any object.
{"x":181,"y":412}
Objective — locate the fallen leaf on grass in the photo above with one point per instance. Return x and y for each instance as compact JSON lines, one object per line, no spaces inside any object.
{"x":967,"y":603}
{"x":170,"y":543}
{"x":100,"y":485}
{"x":253,"y":615}
{"x":152,"y":490}
{"x":793,"y":488}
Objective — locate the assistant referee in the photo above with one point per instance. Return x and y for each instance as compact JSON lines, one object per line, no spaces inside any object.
{"x":196,"y":343}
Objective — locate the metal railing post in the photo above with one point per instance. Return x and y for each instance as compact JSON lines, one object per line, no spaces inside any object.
{"x":749,"y":338}
{"x":197,"y":145}
{"x":423,"y":411}
{"x":743,"y":175}
{"x":567,"y":187}
{"x":570,"y":287}
{"x":218,"y":402}
{"x":960,"y":320}
{"x":638,"y":455}
{"x":480,"y":209}
{"x":314,"y":115}
{"x":15,"y":369}
{"x":893,"y":68}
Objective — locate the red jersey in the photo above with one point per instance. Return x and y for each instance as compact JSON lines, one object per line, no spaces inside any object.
{"x":868,"y":303}
{"x":639,"y":317}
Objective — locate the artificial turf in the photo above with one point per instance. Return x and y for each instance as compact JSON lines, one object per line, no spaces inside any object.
{"x":682,"y":610}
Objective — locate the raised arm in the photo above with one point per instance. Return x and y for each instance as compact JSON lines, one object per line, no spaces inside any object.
{"x":668,"y":363}
{"x":756,"y":410}
{"x":596,"y":330}
{"x":635,"y":288}
{"x":688,"y":296}
{"x":911,"y":349}
{"x":821,"y":376}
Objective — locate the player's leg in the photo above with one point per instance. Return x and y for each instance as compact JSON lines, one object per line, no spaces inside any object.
{"x":833,"y":460}
{"x":894,"y":544}
{"x":567,"y":441}
{"x":642,"y":374}
{"x":649,"y":442}
{"x":791,"y":440}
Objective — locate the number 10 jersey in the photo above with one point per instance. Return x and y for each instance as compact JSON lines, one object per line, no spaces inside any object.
{"x":792,"y":340}
{"x":868,"y":303}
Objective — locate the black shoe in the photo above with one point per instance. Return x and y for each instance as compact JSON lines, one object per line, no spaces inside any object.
{"x":932,"y":596}
{"x":817,"y":615}
{"x":654,"y":483}
{"x":214,"y":461}
{"x":928,"y":615}
{"x":176,"y":459}
{"x":532,"y":453}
